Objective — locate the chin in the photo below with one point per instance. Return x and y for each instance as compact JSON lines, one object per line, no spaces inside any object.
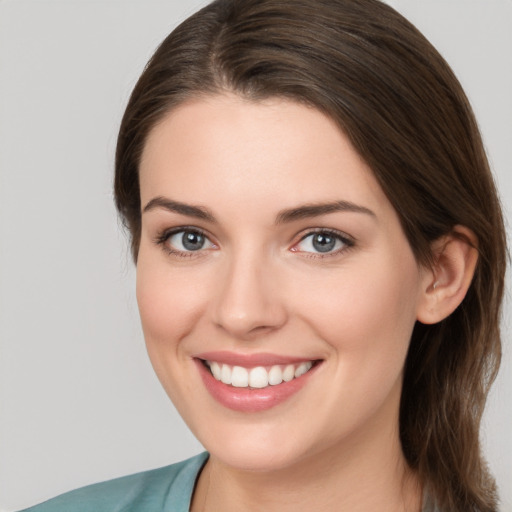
{"x":255,"y":458}
{"x":262,"y":446}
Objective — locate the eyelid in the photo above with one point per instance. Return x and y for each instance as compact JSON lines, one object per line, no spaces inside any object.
{"x":347,"y":241}
{"x":163,"y":236}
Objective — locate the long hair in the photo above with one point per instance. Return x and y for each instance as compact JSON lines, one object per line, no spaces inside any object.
{"x":371,"y":71}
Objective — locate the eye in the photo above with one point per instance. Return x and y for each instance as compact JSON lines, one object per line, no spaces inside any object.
{"x":323,"y":242}
{"x":185,"y":241}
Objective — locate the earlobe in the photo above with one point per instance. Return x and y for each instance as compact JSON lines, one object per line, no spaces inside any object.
{"x":446,"y":284}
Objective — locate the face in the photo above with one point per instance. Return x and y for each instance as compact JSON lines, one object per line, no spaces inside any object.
{"x":276,"y":288}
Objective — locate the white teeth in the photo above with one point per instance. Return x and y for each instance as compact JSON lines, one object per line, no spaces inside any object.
{"x":275,"y":376}
{"x":216,"y":370}
{"x":302,"y":368}
{"x":258,"y":377}
{"x":289,"y":373}
{"x":225,"y":374}
{"x":239,"y":377}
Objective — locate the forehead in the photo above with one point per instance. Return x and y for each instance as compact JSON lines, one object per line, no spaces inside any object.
{"x":228,"y":148}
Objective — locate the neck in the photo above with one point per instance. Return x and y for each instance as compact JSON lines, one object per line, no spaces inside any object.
{"x":363,"y":472}
{"x":366,"y":473}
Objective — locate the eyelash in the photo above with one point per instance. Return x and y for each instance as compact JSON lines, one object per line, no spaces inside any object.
{"x":163,"y":237}
{"x":348,"y":242}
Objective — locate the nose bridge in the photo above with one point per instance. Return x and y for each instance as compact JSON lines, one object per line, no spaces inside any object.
{"x":248,"y":301}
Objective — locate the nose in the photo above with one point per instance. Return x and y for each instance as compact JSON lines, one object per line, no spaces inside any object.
{"x":249,"y":302}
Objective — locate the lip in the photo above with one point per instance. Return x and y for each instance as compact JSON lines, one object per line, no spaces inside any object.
{"x":250,"y":360}
{"x":250,"y":400}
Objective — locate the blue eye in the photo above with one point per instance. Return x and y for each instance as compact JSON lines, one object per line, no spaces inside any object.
{"x":187,"y":240}
{"x":323,"y":242}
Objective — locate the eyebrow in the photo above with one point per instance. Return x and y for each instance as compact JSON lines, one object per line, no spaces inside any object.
{"x":316,"y":210}
{"x":182,"y":208}
{"x":284,"y":216}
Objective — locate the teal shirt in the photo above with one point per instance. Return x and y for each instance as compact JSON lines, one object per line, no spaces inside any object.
{"x":167,"y":489}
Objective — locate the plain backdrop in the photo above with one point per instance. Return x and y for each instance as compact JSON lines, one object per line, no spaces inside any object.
{"x":78,"y":399}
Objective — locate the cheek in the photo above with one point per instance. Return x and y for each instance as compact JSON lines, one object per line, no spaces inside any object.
{"x":170,"y":302}
{"x":365,"y":312}
{"x":170,"y":306}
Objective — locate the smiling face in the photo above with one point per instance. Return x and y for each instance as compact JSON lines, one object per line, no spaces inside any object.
{"x":268,"y":249}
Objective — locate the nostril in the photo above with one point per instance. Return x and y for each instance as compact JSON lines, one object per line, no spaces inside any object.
{"x":248,"y":303}
{"x":247,"y":332}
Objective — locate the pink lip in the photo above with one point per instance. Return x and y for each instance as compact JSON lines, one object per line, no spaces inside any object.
{"x":249,"y":399}
{"x":249,"y":360}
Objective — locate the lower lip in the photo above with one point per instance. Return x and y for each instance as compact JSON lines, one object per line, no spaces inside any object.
{"x":251,"y":399}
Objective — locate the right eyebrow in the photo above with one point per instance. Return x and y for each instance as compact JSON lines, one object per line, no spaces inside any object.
{"x":176,"y":207}
{"x":316,"y":210}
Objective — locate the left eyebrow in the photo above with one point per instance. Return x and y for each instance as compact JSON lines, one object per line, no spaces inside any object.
{"x":315,"y":210}
{"x":182,"y":208}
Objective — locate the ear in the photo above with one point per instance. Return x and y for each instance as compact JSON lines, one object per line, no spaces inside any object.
{"x":446,"y":283}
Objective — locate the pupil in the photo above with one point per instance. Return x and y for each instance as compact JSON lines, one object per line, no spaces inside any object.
{"x":323,"y":242}
{"x":192,"y":241}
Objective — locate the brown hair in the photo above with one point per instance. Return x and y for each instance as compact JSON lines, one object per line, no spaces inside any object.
{"x":393,"y":95}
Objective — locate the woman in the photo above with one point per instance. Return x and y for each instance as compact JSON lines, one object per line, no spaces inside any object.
{"x":320,"y":260}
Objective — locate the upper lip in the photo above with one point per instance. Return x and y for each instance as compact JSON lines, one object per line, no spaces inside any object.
{"x":251,"y":360}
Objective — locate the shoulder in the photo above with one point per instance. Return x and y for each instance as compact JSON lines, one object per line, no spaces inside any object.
{"x":167,"y":488}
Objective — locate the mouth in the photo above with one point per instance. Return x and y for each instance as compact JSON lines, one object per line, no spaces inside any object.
{"x":254,"y":383}
{"x":258,"y":377}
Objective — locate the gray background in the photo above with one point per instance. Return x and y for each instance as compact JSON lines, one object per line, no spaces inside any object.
{"x":78,"y":399}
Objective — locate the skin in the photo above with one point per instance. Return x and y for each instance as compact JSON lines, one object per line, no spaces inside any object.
{"x":258,"y":286}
